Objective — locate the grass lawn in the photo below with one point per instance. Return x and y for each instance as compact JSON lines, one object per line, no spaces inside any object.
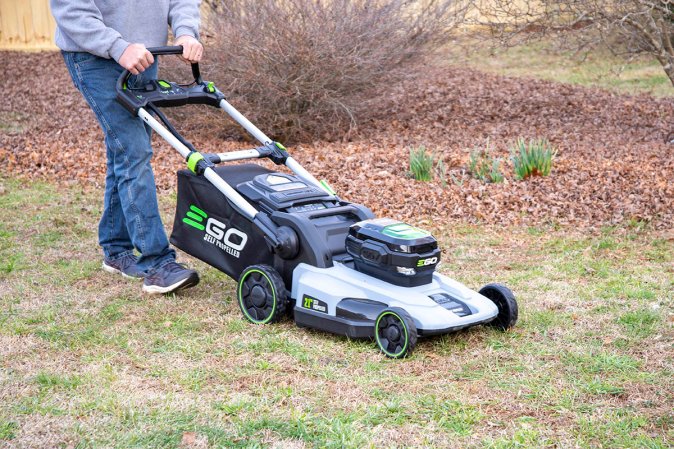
{"x":86,"y":360}
{"x":544,"y":60}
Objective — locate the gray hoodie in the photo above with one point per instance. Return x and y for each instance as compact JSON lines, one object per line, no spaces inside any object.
{"x":106,"y":27}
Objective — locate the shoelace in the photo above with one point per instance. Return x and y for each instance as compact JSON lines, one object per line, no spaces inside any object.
{"x":173,"y":267}
{"x":128,"y":261}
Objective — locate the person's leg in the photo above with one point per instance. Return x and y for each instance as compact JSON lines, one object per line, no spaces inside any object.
{"x":112,"y":233}
{"x":131,"y":200}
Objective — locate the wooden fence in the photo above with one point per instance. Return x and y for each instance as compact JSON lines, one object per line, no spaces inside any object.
{"x":26,"y":25}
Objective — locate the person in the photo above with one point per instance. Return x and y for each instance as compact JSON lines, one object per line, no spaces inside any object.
{"x":98,"y":40}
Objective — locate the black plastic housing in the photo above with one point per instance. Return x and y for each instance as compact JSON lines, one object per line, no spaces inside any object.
{"x":162,"y":93}
{"x":379,"y":247}
{"x":321,"y":221}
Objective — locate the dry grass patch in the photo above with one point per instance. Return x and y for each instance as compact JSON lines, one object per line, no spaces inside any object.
{"x":546,"y":60}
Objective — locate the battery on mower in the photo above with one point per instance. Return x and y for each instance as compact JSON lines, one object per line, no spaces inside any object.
{"x":393,"y":251}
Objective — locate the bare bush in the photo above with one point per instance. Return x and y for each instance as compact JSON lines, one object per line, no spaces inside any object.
{"x":626,"y":27}
{"x":310,"y":69}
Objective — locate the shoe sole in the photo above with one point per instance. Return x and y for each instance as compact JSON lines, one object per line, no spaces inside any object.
{"x":114,"y":270}
{"x":183,"y":284}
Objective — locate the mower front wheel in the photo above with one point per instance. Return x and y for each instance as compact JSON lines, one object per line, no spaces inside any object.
{"x":262,"y":295}
{"x":505,"y":300}
{"x":395,"y":333}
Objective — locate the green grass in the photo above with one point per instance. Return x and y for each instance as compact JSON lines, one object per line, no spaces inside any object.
{"x":88,"y":361}
{"x":421,"y":164}
{"x":484,"y":166}
{"x":532,"y":158}
{"x":543,"y":60}
{"x":12,"y":122}
{"x":8,"y":430}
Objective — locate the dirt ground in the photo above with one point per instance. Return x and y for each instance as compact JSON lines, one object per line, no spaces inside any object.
{"x":613,"y":165}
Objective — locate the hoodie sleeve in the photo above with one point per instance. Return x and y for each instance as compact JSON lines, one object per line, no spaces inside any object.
{"x":82,"y":22}
{"x":184,"y":17}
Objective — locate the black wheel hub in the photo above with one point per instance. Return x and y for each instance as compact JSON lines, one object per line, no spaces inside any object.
{"x":391,"y":334}
{"x":257,"y":296}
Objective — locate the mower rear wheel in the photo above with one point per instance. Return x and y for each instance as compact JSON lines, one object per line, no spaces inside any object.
{"x":395,"y":333}
{"x":505,"y":300}
{"x":261,"y":294}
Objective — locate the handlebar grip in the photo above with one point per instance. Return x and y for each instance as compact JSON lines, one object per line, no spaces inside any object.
{"x":177,"y":50}
{"x":167,"y":50}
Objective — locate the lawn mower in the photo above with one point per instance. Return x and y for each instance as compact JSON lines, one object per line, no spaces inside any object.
{"x":297,"y":248}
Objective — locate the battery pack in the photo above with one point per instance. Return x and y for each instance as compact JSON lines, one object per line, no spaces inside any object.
{"x":393,"y":251}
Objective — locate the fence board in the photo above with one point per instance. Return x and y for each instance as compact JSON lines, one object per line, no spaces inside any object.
{"x":26,"y":25}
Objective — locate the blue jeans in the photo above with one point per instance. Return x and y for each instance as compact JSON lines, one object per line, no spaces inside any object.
{"x":130,"y":211}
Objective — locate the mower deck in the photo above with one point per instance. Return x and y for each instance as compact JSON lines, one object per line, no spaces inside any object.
{"x":344,"y":301}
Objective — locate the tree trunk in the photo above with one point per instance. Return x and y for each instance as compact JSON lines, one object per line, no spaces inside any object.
{"x":668,"y":66}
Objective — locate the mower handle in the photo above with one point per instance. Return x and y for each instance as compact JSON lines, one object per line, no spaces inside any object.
{"x":160,"y":51}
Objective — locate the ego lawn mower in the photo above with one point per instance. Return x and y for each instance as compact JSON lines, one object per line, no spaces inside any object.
{"x":295,"y":246}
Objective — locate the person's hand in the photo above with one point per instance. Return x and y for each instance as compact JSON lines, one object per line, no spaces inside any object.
{"x":192,"y":48}
{"x":136,"y":58}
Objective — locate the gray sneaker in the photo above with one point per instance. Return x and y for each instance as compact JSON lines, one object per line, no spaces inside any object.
{"x":169,"y":279}
{"x":125,"y":265}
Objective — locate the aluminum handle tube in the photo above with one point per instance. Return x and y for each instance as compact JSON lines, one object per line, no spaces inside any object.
{"x":303,"y":174}
{"x":243,"y":121}
{"x":291,"y":163}
{"x":232,"y":195}
{"x":165,"y":133}
{"x":239,"y":155}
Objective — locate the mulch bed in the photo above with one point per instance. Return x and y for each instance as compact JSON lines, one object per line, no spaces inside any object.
{"x":613,"y":164}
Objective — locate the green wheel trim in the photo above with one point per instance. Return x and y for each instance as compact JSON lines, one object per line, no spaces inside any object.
{"x":243,"y":307}
{"x":376,"y":334}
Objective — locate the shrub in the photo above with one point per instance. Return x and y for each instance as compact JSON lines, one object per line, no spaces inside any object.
{"x":533,"y":158}
{"x":484,"y":166}
{"x":308,"y":69}
{"x":421,"y":164}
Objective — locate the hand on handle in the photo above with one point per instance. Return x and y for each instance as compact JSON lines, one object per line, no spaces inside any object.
{"x":136,"y":58}
{"x":192,"y":49}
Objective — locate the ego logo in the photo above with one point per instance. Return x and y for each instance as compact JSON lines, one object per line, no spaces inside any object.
{"x":427,"y":262}
{"x":232,"y":241}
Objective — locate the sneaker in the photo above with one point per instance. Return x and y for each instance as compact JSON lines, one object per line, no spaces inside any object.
{"x":170,"y":278}
{"x":125,"y":265}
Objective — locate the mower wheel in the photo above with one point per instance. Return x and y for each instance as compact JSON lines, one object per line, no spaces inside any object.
{"x":505,"y":300}
{"x":395,"y":333}
{"x":261,"y":294}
